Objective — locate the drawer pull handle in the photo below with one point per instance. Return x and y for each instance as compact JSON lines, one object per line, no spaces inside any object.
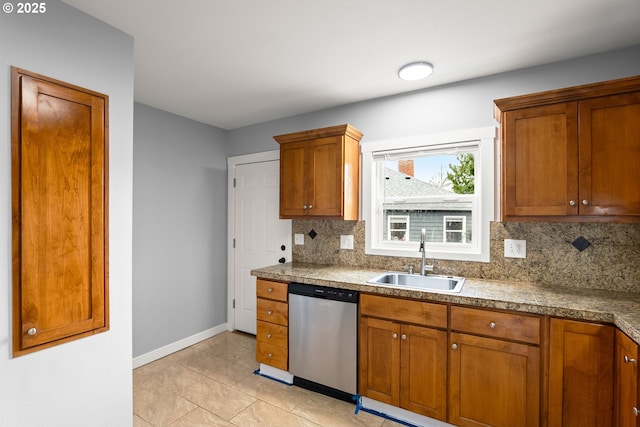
{"x":394,"y":335}
{"x":627,"y":359}
{"x":268,"y":335}
{"x":270,"y":290}
{"x":492,"y":325}
{"x":454,"y":346}
{"x":270,"y":355}
{"x":269,"y":313}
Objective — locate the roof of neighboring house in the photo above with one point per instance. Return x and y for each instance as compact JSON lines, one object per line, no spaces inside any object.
{"x":398,"y":185}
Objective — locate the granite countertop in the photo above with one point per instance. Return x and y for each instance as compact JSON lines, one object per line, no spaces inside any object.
{"x":621,"y":309}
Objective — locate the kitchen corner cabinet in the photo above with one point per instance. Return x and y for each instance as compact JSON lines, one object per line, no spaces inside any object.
{"x":59,"y":174}
{"x":572,"y":154}
{"x":494,"y":368}
{"x":319,"y":173}
{"x":580,"y":374}
{"x":403,"y":354}
{"x":626,"y":390}
{"x":272,"y":336}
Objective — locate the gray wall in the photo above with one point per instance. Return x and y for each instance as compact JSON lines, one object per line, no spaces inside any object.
{"x":87,"y":381}
{"x":180,"y":223}
{"x":464,"y":105}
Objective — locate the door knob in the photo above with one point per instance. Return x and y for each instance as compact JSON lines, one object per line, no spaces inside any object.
{"x":283,"y":247}
{"x":282,"y":260}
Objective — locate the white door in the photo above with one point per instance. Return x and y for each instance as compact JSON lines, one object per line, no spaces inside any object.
{"x":261,"y":238}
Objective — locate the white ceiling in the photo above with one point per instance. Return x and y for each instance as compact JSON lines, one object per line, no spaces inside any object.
{"x":233,"y":63}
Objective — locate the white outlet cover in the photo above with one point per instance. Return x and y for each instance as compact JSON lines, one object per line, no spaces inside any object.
{"x":515,"y":248}
{"x":346,"y":241}
{"x":298,"y":239}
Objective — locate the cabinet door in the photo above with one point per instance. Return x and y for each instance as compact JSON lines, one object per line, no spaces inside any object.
{"x":326,"y":177}
{"x":60,"y":211}
{"x":493,"y":382}
{"x":293,"y":179}
{"x":423,"y":371}
{"x":610,"y":155}
{"x":626,"y":382}
{"x":540,"y":161}
{"x":580,"y":374}
{"x":379,"y":370}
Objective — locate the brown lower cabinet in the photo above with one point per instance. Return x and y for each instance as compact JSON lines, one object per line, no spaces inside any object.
{"x":626,"y":390}
{"x":580,"y":374}
{"x":404,"y":364}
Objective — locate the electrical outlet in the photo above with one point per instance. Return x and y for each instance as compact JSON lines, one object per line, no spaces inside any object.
{"x":346,"y":241}
{"x":515,"y":248}
{"x":298,"y":239}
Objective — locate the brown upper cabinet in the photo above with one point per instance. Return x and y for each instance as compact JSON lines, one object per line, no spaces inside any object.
{"x":572,"y":154}
{"x":59,"y":208}
{"x":319,"y":173}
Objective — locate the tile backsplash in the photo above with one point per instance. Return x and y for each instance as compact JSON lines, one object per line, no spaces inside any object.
{"x":611,"y":261}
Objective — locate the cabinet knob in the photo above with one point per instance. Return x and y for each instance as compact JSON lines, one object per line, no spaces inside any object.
{"x":635,"y":411}
{"x":454,"y":346}
{"x":394,"y":335}
{"x":310,"y":206}
{"x":492,"y":325}
{"x":32,"y":331}
{"x":585,"y":202}
{"x":270,"y":290}
{"x":403,"y":337}
{"x":269,"y":313}
{"x":270,"y":355}
{"x":304,"y":207}
{"x":572,"y":202}
{"x":627,"y":359}
{"x":268,"y":336}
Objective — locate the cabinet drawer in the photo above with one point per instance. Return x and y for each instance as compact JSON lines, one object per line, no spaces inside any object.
{"x":273,"y":311}
{"x":273,"y":334}
{"x":272,"y":355}
{"x":404,"y":310}
{"x":511,"y":326}
{"x":271,"y":290}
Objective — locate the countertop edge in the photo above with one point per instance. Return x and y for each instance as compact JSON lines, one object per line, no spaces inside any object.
{"x":617,"y":308}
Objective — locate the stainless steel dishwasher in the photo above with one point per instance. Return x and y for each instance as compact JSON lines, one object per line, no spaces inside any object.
{"x":323,"y":339}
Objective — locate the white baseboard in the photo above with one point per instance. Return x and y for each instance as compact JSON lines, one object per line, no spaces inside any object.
{"x":177,"y":346}
{"x":401,"y":414}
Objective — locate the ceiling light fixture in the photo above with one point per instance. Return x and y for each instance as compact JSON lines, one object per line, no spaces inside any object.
{"x":415,"y":71}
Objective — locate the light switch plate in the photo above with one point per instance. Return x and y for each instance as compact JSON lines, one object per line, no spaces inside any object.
{"x":346,"y":241}
{"x":298,"y":239}
{"x":515,"y":248}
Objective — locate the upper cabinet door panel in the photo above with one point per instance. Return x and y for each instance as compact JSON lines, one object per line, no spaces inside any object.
{"x":326,"y":196}
{"x":59,"y":177}
{"x":610,"y":155}
{"x":293,"y":164}
{"x":540,"y":160}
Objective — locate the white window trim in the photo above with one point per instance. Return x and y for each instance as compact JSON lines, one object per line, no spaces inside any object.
{"x":463,"y":231}
{"x":486,"y":139}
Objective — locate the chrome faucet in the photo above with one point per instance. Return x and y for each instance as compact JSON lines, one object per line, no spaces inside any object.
{"x":424,"y":267}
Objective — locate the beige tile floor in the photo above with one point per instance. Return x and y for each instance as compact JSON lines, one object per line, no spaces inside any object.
{"x":212,"y":384}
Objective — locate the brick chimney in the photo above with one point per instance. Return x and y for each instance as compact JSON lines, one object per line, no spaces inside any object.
{"x":406,"y":167}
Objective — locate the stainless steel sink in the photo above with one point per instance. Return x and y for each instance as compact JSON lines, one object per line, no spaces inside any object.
{"x":415,"y":281}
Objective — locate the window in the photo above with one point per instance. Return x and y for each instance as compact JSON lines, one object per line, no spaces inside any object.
{"x":440,"y":183}
{"x":397,"y":227}
{"x":455,"y":229}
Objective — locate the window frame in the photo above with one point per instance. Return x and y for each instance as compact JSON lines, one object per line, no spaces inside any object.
{"x":458,"y":218}
{"x":484,"y":139}
{"x":405,"y":218}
